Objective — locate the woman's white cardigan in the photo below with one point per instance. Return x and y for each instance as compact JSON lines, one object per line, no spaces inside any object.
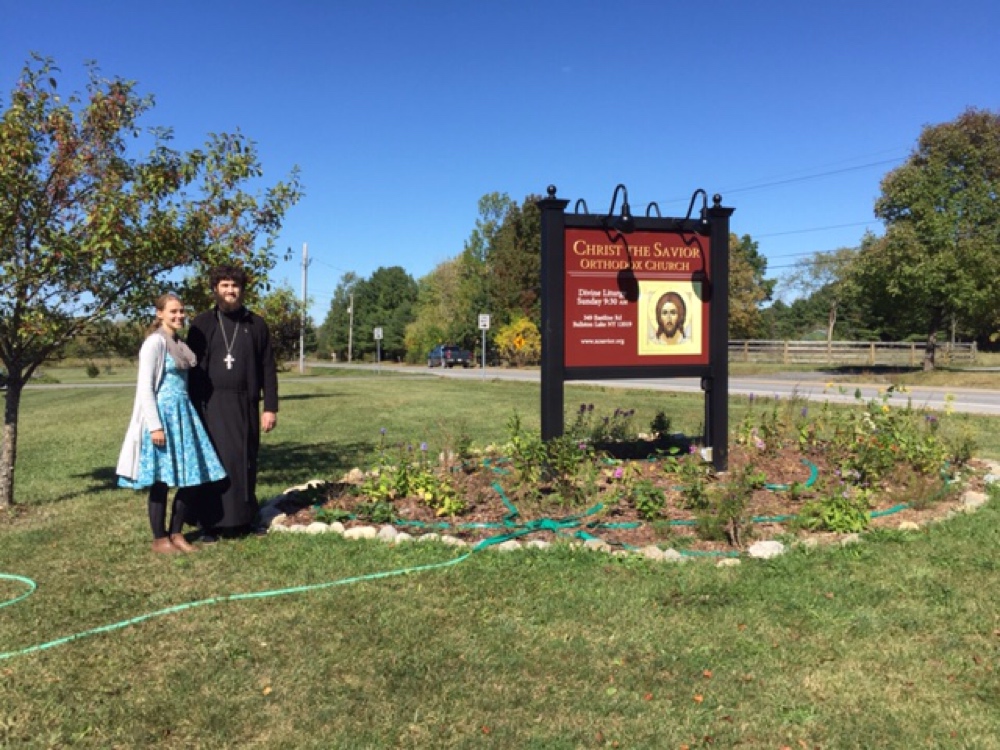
{"x":145,"y":415}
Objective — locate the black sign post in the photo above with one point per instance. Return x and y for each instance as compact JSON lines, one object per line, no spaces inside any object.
{"x":611,"y":276}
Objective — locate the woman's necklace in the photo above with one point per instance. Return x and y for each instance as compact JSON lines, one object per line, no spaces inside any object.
{"x":228,"y":359}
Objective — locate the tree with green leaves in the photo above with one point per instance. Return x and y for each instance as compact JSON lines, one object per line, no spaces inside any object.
{"x":748,"y":288}
{"x":91,"y":232}
{"x":384,"y":301}
{"x":516,"y":264}
{"x":829,"y":279}
{"x":286,"y":316}
{"x":440,"y":312}
{"x":497,"y":273}
{"x":476,"y":292}
{"x":334,"y":336}
{"x":936,"y":263}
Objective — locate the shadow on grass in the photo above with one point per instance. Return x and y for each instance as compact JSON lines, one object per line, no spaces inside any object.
{"x":289,"y":464}
{"x":285,"y":464}
{"x":309,"y":396}
{"x":871,"y":370}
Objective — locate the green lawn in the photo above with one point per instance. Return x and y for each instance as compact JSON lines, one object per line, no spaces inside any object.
{"x":893,"y":643}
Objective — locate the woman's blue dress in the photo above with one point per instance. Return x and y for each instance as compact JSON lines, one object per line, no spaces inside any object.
{"x":188,"y":458}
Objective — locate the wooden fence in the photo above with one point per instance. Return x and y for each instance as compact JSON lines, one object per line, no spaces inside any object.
{"x":864,"y":353}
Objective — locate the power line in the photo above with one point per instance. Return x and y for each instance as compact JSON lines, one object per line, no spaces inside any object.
{"x":816,"y":262}
{"x":329,"y":265}
{"x":802,"y":178}
{"x":805,"y":178}
{"x":815,"y":229}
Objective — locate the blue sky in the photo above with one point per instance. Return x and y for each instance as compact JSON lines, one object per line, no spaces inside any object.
{"x":401,"y":115}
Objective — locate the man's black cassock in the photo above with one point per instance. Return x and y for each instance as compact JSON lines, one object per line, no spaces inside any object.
{"x":228,"y":398}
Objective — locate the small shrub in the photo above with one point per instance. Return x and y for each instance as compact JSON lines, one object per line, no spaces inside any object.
{"x":727,"y":514}
{"x":436,"y":492}
{"x":661,"y":424}
{"x":693,"y":474}
{"x":648,"y":499}
{"x":618,"y":427}
{"x":377,"y":511}
{"x":332,"y":515}
{"x":568,"y":467}
{"x":526,"y":451}
{"x":843,"y":511}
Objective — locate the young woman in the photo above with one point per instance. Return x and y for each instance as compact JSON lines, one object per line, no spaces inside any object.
{"x":166,"y":444}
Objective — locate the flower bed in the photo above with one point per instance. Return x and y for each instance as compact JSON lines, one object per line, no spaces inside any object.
{"x":790,"y":475}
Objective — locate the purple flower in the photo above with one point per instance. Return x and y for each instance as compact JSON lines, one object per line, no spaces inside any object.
{"x":805,"y":411}
{"x":382,"y":430}
{"x":752,"y":397}
{"x":619,"y":472}
{"x":423,"y":447}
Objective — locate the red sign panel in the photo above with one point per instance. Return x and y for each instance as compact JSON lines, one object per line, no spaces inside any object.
{"x":636,"y":299}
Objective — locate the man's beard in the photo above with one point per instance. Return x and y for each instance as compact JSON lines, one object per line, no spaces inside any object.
{"x":229,"y":306}
{"x":670,"y":329}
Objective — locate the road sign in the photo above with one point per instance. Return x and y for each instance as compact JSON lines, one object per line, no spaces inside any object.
{"x":378,"y":334}
{"x":484,"y":322}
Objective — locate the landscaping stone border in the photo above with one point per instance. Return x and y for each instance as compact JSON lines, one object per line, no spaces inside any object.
{"x":273,"y":518}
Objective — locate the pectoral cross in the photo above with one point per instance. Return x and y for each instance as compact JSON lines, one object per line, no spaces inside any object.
{"x":228,"y":359}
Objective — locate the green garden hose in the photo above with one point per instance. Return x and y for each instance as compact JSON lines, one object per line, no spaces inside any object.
{"x":575,"y":525}
{"x":204,"y":602}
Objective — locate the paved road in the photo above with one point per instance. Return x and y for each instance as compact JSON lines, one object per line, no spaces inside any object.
{"x":803,"y":385}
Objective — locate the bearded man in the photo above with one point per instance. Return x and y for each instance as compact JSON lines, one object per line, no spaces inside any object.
{"x":236,"y":370}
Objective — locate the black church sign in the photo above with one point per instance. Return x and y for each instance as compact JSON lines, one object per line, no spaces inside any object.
{"x":636,"y":297}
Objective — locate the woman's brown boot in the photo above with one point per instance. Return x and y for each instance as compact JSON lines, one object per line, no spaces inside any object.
{"x":182,"y":544}
{"x":163,"y":546}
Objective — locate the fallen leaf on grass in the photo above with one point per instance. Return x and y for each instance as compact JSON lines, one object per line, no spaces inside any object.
{"x":699,"y":698}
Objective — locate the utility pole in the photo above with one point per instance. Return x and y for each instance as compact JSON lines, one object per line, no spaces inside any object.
{"x":350,"y":330}
{"x":302,"y":321}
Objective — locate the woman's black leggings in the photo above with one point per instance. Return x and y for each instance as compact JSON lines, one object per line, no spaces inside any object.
{"x":158,"y":511}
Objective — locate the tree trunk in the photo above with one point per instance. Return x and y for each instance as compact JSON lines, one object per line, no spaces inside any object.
{"x":929,"y":350}
{"x":831,"y":321}
{"x":937,"y":321}
{"x":8,"y":452}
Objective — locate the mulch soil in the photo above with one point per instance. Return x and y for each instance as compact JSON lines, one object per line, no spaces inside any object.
{"x":924,"y":499}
